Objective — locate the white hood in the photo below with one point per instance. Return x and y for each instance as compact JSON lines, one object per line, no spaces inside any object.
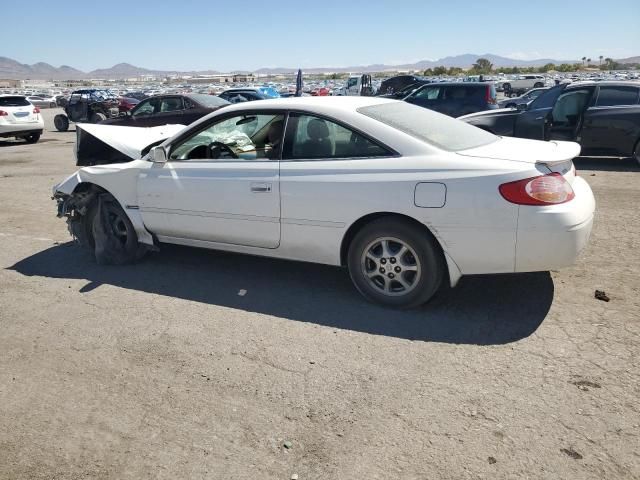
{"x":130,"y":141}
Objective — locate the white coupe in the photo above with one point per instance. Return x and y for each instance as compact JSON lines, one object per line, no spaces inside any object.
{"x":407,"y":199}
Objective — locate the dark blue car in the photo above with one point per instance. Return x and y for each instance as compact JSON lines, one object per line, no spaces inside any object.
{"x":455,"y":99}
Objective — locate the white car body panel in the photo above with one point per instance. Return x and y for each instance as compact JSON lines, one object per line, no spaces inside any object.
{"x":312,"y":204}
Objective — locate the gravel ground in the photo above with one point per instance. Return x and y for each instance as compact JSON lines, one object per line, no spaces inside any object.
{"x":199,"y":364}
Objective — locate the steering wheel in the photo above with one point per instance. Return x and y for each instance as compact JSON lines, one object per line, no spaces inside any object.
{"x":216,"y":149}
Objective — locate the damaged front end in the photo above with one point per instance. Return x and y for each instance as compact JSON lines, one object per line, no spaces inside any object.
{"x":98,"y":223}
{"x":75,"y":207}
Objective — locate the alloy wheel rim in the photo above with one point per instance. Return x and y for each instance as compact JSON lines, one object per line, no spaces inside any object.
{"x":391,"y":266}
{"x":118,"y":227}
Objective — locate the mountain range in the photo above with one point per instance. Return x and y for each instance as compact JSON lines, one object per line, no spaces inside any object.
{"x":12,"y":69}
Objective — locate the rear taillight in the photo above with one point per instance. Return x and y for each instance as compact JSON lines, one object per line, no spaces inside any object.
{"x":489,"y":97}
{"x":549,"y":189}
{"x":3,"y":113}
{"x":36,"y":110}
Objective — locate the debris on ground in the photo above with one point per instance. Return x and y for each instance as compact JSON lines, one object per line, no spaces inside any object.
{"x":492,"y":460}
{"x":586,"y":384}
{"x":287,"y":444}
{"x":601,"y":295}
{"x":571,"y":453}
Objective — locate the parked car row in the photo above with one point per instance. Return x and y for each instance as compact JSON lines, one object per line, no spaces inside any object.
{"x":603,"y":117}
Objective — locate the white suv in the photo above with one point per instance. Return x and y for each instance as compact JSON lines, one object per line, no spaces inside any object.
{"x":20,"y":118}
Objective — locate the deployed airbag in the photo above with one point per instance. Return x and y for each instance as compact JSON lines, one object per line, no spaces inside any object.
{"x":104,"y":144}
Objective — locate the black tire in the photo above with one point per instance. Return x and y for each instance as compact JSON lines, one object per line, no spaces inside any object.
{"x":61,"y":122}
{"x":538,"y":85}
{"x":52,"y":105}
{"x":32,"y":138}
{"x":98,"y":117}
{"x":114,"y":239}
{"x":418,"y":272}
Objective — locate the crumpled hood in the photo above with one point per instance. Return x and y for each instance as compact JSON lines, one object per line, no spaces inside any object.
{"x":105,"y":144}
{"x":528,"y":151}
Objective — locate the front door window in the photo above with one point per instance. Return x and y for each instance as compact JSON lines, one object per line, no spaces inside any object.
{"x":244,"y":137}
{"x":569,"y":107}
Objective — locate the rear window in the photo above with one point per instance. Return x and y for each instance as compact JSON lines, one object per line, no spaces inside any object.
{"x":429,"y":126}
{"x":208,"y":100}
{"x":14,"y":102}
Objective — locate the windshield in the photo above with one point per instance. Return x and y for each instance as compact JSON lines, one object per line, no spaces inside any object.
{"x":432,"y":127}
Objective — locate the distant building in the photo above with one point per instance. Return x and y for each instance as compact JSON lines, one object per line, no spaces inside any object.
{"x":72,"y":83}
{"x":10,"y":83}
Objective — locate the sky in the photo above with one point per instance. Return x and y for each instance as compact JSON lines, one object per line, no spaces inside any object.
{"x":247,"y":35}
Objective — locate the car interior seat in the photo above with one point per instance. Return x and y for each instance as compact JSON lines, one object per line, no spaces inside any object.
{"x":319,"y":145}
{"x":170,"y":105}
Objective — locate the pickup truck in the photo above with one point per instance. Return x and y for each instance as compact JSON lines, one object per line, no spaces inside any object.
{"x":355,"y":85}
{"x":603,"y":117}
{"x":522,"y":84}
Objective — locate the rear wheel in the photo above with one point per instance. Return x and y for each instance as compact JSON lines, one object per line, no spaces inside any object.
{"x":538,"y":85}
{"x":61,"y":122}
{"x":98,"y":117}
{"x":394,"y":263}
{"x":32,"y":138}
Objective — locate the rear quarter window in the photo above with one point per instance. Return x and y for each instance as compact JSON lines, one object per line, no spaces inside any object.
{"x":14,"y":102}
{"x":618,"y":95}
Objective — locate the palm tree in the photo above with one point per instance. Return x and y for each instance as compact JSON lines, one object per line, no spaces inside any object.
{"x":601,"y":57}
{"x":584,"y":59}
{"x":588,"y":61}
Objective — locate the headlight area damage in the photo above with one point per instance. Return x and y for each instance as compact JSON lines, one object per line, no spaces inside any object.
{"x":89,"y":197}
{"x":98,"y":224}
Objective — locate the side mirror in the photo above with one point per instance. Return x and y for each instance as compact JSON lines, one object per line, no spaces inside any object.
{"x":521,"y":107}
{"x":158,"y":154}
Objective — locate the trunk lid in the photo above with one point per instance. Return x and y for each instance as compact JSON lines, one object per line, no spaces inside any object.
{"x":556,"y":156}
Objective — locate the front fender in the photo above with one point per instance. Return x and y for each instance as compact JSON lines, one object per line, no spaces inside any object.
{"x":68,"y":185}
{"x":121,"y":183}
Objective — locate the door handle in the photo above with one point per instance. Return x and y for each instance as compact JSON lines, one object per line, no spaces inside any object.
{"x":261,"y":187}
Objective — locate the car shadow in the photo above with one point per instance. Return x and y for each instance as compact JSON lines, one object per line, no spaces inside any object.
{"x":481,"y":310}
{"x":606,"y":164}
{"x":13,"y":143}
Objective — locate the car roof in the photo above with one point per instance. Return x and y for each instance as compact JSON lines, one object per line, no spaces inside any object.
{"x":458,"y":84}
{"x":317,"y":104}
{"x":246,"y":89}
{"x":12,"y":95}
{"x":606,"y":83}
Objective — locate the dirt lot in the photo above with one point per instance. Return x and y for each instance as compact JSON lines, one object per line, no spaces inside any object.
{"x":165,"y":370}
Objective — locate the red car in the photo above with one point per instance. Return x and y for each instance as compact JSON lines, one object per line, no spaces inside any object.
{"x":127,"y":103}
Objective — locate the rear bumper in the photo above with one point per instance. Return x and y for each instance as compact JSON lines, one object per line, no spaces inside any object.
{"x":19,"y":132}
{"x":552,"y":237}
